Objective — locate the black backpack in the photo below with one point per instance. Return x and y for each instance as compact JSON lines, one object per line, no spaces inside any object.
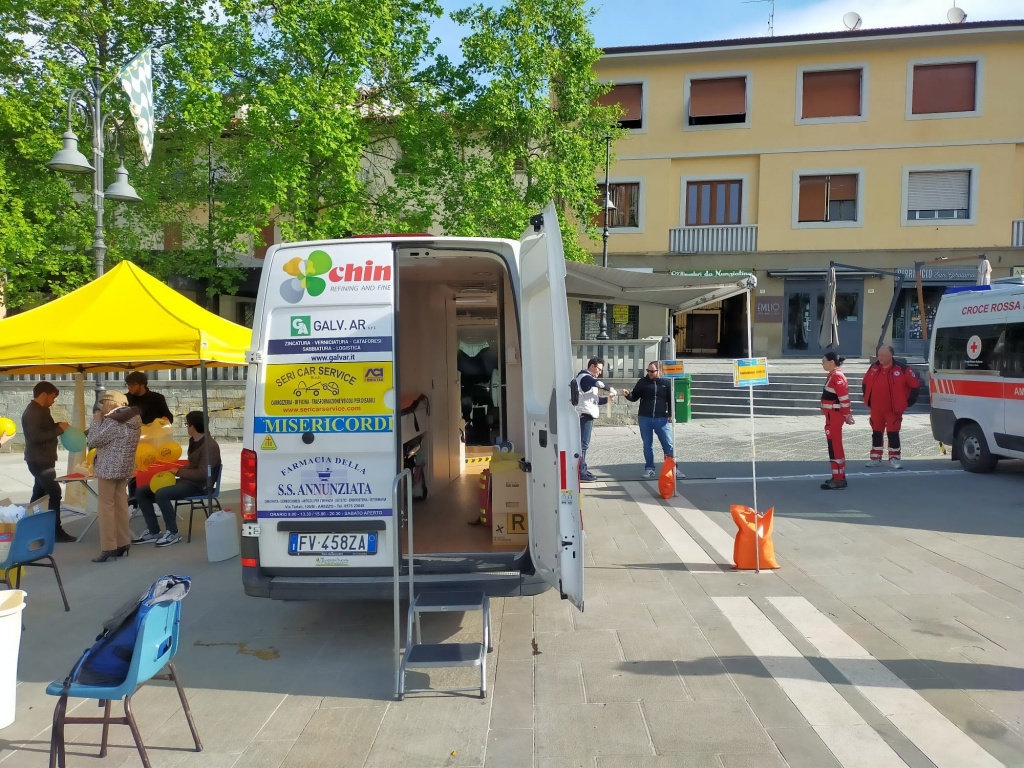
{"x":574,"y":389}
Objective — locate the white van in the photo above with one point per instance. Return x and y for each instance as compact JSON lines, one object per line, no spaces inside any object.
{"x":356,"y":357}
{"x":976,"y":372}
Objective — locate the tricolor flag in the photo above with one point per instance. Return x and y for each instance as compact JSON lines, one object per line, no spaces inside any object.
{"x":137,"y":79}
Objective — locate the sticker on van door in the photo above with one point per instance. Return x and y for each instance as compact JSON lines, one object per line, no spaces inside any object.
{"x":326,"y":486}
{"x":320,"y":273}
{"x":335,"y":389}
{"x":335,"y":334}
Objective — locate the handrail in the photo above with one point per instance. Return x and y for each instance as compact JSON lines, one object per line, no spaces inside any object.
{"x":396,"y":546}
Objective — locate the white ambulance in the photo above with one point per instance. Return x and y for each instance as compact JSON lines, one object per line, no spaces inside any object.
{"x":356,"y":357}
{"x":977,"y":373}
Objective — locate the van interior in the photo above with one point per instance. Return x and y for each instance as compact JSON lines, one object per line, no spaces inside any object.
{"x":461,"y":386}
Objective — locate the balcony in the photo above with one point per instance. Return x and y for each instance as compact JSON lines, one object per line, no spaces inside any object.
{"x":1017,"y":236}
{"x":725,"y":239}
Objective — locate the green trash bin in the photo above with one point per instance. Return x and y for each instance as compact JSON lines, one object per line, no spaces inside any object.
{"x":684,"y":408}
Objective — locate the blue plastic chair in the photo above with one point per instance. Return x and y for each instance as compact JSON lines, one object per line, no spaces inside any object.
{"x":32,"y":544}
{"x":199,"y":501}
{"x":155,"y":647}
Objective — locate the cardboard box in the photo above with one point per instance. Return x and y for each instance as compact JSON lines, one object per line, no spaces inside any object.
{"x":509,"y":513}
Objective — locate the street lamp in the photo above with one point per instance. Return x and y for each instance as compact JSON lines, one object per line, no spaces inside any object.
{"x":70,"y":160}
{"x":602,"y":331}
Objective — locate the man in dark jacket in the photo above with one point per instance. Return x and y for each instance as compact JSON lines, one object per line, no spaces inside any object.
{"x":41,"y":433}
{"x":655,"y":396}
{"x":152,"y":404}
{"x":191,"y":482}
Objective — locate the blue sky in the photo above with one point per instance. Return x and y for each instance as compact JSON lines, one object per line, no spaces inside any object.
{"x":647,"y":22}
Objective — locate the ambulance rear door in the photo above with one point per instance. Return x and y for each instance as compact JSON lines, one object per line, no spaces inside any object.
{"x":324,"y":410}
{"x":552,"y":426}
{"x":1012,"y":439}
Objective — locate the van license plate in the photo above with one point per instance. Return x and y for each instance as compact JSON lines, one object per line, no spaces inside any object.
{"x":332,"y":543}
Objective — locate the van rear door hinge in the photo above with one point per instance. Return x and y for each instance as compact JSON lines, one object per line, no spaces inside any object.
{"x":525,"y":466}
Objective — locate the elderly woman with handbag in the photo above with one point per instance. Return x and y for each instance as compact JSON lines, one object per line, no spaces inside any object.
{"x":115,"y":435}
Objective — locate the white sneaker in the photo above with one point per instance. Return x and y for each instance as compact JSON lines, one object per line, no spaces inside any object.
{"x":649,"y":473}
{"x":895,"y":463}
{"x":147,"y":537}
{"x":874,"y":463}
{"x":168,"y":538}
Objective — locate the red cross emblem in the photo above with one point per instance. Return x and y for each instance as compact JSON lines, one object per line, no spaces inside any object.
{"x":974,"y":347}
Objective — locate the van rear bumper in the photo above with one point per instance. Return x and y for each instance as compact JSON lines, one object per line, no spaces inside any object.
{"x":943,"y":424}
{"x":493,"y":584}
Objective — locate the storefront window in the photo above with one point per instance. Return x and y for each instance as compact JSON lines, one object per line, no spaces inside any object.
{"x":623,"y":320}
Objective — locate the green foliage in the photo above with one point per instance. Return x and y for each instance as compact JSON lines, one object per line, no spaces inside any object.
{"x":325,"y":119}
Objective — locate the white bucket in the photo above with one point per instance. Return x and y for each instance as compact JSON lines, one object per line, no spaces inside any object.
{"x":12,"y":603}
{"x":221,"y":536}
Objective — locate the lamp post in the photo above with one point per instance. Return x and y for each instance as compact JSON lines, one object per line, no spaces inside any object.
{"x":602,"y":331}
{"x":70,"y":160}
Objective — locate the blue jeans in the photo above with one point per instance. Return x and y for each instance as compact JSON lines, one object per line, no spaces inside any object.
{"x":649,"y":427}
{"x":586,"y":432}
{"x":165,"y":498}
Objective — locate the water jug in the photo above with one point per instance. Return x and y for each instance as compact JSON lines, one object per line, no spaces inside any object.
{"x":221,"y":536}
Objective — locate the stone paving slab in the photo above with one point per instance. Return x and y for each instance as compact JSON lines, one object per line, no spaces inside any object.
{"x":652,"y":675}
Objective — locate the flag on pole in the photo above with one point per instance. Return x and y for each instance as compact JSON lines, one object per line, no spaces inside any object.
{"x":137,"y":79}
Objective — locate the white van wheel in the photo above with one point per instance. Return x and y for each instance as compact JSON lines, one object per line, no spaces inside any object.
{"x":972,"y":449}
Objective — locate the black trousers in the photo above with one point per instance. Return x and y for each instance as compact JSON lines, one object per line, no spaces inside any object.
{"x":45,"y":475}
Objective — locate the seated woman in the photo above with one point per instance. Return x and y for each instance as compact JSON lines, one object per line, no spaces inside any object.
{"x":191,"y":482}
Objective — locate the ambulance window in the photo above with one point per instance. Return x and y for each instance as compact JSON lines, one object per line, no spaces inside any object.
{"x":970,"y":348}
{"x":1013,"y":355}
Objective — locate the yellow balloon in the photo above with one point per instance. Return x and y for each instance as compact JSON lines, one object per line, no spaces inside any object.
{"x":160,"y":480}
{"x":145,"y":455}
{"x":90,"y":457}
{"x":7,"y":426}
{"x":169,"y":452}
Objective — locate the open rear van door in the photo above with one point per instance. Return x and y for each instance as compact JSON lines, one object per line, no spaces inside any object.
{"x":552,"y":426}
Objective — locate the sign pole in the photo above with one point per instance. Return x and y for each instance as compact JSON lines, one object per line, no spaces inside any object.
{"x":753,"y":443}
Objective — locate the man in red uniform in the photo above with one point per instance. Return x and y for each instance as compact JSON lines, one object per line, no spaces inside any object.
{"x":835,"y":404}
{"x":889,"y":389}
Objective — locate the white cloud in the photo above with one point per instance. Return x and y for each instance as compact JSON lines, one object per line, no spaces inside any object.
{"x":827,"y":15}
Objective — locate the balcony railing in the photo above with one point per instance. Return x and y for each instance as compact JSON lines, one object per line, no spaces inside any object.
{"x":622,"y":359}
{"x":1017,"y":235}
{"x":726,"y":239}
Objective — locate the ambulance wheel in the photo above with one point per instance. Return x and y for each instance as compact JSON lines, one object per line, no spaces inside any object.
{"x":973,"y":450}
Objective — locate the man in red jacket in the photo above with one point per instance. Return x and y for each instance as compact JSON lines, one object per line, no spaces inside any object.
{"x":889,"y":389}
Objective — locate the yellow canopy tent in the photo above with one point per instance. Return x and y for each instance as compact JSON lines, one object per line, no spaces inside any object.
{"x":125,"y":320}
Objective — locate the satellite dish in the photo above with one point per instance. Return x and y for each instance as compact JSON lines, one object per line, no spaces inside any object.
{"x":852,"y":20}
{"x":956,"y":15}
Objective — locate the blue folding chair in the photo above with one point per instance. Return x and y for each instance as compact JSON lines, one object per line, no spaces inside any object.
{"x":32,"y":544}
{"x":156,"y":645}
{"x":199,"y":501}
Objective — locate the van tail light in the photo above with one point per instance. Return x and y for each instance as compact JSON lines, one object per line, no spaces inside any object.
{"x":248,"y":486}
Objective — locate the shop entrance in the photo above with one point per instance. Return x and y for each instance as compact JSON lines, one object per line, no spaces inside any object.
{"x":804,"y":304}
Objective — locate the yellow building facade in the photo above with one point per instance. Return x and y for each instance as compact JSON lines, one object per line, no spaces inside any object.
{"x":891,"y":152}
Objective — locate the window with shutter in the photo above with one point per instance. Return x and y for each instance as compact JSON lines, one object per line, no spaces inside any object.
{"x":827,"y":198}
{"x":944,"y":88}
{"x":710,"y":203}
{"x":626,"y":199}
{"x":629,"y":96}
{"x":833,"y":93}
{"x":718,"y":101}
{"x":938,"y":195}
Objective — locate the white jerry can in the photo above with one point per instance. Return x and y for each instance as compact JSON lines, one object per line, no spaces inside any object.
{"x":221,"y":536}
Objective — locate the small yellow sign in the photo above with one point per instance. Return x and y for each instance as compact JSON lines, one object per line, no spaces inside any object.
{"x":672,"y":368}
{"x":330,"y":389}
{"x":268,"y":444}
{"x":750,"y":372}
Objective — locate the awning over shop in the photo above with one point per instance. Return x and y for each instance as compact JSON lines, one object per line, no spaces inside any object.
{"x":819,"y":273}
{"x":125,"y":320}
{"x":678,"y":293}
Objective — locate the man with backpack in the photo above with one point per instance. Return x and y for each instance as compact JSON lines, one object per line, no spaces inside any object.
{"x":587,"y":398}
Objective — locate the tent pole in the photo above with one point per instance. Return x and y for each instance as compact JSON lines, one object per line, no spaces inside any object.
{"x":753,"y":445}
{"x":206,"y":438}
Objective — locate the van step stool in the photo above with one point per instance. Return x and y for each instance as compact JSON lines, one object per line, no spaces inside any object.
{"x":420,"y":655}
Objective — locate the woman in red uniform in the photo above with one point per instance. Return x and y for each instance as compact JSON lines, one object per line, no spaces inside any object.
{"x":835,"y":404}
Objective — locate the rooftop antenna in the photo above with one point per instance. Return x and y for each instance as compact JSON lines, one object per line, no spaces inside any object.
{"x":771,"y":14}
{"x":956,"y":15}
{"x":852,"y":20}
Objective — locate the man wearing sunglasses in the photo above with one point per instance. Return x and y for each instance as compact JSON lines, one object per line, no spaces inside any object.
{"x":655,"y":397}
